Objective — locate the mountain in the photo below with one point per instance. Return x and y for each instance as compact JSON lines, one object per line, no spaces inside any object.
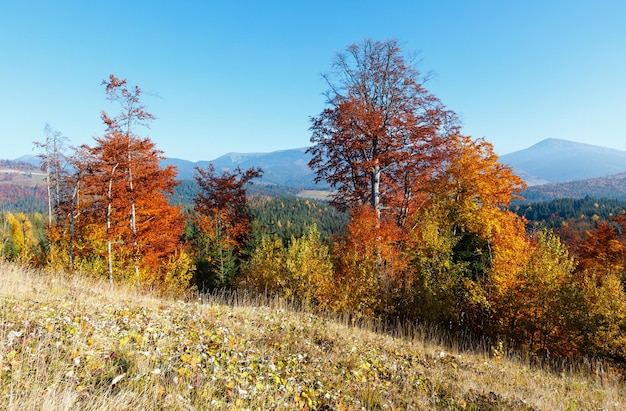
{"x":549,"y":161}
{"x":284,"y":167}
{"x":29,"y":159}
{"x":554,"y":160}
{"x":185,"y":168}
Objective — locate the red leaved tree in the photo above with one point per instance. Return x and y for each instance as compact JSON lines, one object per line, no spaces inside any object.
{"x":384,"y":135}
{"x":125,"y":214}
{"x":224,"y":221}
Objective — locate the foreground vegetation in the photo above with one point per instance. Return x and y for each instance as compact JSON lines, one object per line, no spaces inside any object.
{"x":79,"y":343}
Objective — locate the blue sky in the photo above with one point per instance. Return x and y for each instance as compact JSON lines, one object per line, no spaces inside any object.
{"x":244,"y":76}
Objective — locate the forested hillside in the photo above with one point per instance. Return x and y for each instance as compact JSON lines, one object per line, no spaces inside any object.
{"x":605,"y":187}
{"x":187,"y":190}
{"x":288,"y":217}
{"x":554,"y":213}
{"x":21,"y":187}
{"x":18,"y":198}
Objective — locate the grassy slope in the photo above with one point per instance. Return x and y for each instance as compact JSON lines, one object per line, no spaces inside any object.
{"x":84,"y":344}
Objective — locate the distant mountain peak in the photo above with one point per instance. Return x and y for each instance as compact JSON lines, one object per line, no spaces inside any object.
{"x":561,"y":144}
{"x":551,"y":143}
{"x":555,"y":160}
{"x":29,"y":158}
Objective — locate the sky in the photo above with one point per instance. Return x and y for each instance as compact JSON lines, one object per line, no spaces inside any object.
{"x":245,"y":76}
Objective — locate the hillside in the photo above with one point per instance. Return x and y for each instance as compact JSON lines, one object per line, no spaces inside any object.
{"x":612,"y":187}
{"x":22,"y":186}
{"x":88,"y":345}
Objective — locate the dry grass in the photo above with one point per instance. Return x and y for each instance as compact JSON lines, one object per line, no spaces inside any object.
{"x":83,"y":344}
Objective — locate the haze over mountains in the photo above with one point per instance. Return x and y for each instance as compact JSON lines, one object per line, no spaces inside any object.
{"x":284,"y":167}
{"x":549,"y":161}
{"x":554,"y":161}
{"x":546,"y":163}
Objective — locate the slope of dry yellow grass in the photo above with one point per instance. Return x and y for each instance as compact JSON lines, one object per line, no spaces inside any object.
{"x":76,"y":343}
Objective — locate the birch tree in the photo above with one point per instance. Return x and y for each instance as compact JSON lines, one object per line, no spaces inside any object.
{"x":125,"y":209}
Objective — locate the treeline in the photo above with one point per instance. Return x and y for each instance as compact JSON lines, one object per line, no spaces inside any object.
{"x":185,"y":192}
{"x":420,"y":228}
{"x":19,"y":198}
{"x":612,"y":187}
{"x":554,"y":213}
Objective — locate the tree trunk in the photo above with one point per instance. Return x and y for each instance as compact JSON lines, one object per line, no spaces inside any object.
{"x":109,"y":210}
{"x":376,"y":190}
{"x":133,"y":215}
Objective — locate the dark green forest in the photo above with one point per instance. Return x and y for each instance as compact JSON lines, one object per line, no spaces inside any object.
{"x":287,"y":217}
{"x":551,"y":214}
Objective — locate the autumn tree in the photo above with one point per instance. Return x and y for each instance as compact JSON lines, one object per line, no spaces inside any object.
{"x":602,"y":251}
{"x":463,"y":239}
{"x":477,"y":191}
{"x":603,"y":321}
{"x":602,"y":277}
{"x":223,"y":218}
{"x":540,"y":310}
{"x":54,"y":162}
{"x":68,"y":211}
{"x":21,"y":239}
{"x":133,"y":113}
{"x":301,"y":271}
{"x":264,"y":272}
{"x":125,"y":213}
{"x":369,"y":266}
{"x":444,"y":284}
{"x":383,"y":134}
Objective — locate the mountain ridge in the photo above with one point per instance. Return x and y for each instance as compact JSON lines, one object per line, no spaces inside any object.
{"x":548,"y":162}
{"x":282,"y":167}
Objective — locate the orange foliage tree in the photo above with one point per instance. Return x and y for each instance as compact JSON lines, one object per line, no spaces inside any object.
{"x":464,"y":240}
{"x":125,"y":215}
{"x":602,"y":277}
{"x":540,"y":308}
{"x":369,"y":266}
{"x":386,"y":143}
{"x":602,"y":251}
{"x":382,"y":139}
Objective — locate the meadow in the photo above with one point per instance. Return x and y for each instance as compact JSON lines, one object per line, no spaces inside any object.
{"x":78,"y":343}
